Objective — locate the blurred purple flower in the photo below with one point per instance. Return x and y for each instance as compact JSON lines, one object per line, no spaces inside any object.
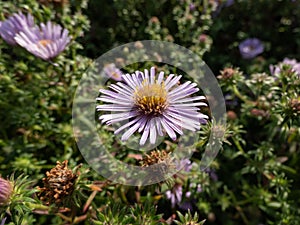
{"x":192,"y":7}
{"x":228,"y":3}
{"x":154,"y":105}
{"x":45,"y":42}
{"x":219,"y":6}
{"x":175,"y":195}
{"x":199,"y":188}
{"x":186,"y":205}
{"x":113,"y":72}
{"x":293,"y":63}
{"x":230,"y":100}
{"x":14,"y":24}
{"x":3,"y":221}
{"x":250,"y":48}
{"x":212,"y":174}
{"x":184,"y":164}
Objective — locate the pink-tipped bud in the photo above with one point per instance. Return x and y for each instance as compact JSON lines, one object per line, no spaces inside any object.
{"x":6,"y":189}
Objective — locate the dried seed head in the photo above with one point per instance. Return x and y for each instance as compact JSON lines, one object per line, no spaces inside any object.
{"x":156,"y":157}
{"x":6,"y":189}
{"x":58,"y":184}
{"x":162,"y":164}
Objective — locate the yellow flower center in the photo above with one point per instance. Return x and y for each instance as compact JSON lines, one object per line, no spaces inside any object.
{"x":151,"y":99}
{"x":44,"y":42}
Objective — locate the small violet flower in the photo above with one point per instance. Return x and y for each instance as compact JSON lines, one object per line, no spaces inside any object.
{"x":13,"y":25}
{"x":174,"y":195}
{"x":192,"y":6}
{"x":45,"y":42}
{"x":293,"y":63}
{"x":184,"y":164}
{"x":250,"y":48}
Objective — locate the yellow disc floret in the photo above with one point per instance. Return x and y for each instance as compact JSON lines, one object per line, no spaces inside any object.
{"x":151,"y":98}
{"x":44,"y":42}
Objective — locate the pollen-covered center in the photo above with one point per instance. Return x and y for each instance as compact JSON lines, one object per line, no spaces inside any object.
{"x":151,"y":99}
{"x":44,"y":42}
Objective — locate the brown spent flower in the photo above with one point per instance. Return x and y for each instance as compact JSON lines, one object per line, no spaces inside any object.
{"x":154,"y":19}
{"x":259,"y":112}
{"x":155,"y":157}
{"x":231,"y":115}
{"x":6,"y":189}
{"x":227,"y":73}
{"x":58,"y":184}
{"x":295,"y":105}
{"x":138,"y":45}
{"x":162,"y":163}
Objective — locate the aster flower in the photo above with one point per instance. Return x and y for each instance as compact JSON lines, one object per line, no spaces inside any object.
{"x":293,"y":63}
{"x":113,"y":72}
{"x":45,"y":42}
{"x":13,"y":25}
{"x":250,"y":48}
{"x":152,"y":105}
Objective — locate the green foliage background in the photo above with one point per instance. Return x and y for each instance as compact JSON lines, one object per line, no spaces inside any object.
{"x":257,"y":169}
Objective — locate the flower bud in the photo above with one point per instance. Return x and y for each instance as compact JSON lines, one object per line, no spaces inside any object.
{"x":6,"y":189}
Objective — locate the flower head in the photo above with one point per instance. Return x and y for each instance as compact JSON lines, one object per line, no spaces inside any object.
{"x":13,"y":25}
{"x":45,"y":42}
{"x":250,"y":48}
{"x":113,"y":72}
{"x":6,"y":189}
{"x":152,"y":105}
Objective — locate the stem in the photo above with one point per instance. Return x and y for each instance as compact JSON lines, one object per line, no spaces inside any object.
{"x":239,"y":209}
{"x":64,"y":217}
{"x":89,"y":201}
{"x":238,"y":145}
{"x":240,"y":96}
{"x":37,"y":206}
